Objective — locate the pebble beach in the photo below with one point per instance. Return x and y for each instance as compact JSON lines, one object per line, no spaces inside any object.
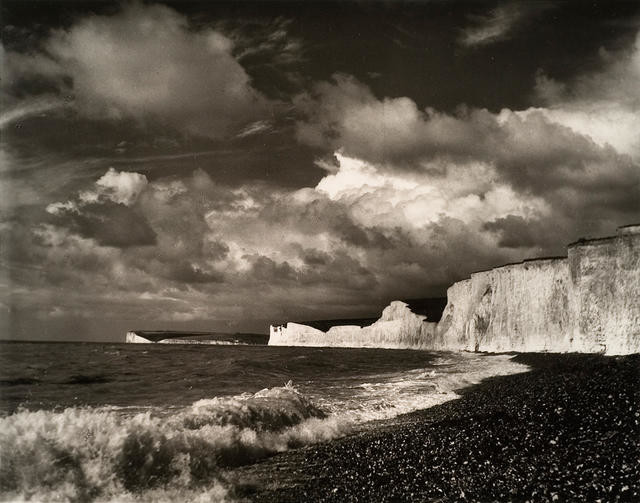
{"x":567,"y":430}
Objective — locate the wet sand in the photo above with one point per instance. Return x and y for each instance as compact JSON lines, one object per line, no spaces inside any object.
{"x":568,"y":430}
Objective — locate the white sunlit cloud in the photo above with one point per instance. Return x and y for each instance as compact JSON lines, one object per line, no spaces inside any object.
{"x":148,"y":63}
{"x":118,"y":186}
{"x":395,"y":165}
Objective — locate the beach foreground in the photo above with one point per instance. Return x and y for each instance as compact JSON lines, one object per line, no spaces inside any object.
{"x":568,"y":430}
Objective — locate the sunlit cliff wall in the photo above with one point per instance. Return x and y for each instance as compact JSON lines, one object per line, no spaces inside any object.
{"x":605,"y":296}
{"x":398,"y":327}
{"x":586,"y":302}
{"x":518,"y":307}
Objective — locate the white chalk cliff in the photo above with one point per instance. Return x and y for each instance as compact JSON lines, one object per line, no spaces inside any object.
{"x":398,"y":327}
{"x":586,"y":302}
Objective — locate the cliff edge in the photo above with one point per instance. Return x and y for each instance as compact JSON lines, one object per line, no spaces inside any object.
{"x":585,"y":302}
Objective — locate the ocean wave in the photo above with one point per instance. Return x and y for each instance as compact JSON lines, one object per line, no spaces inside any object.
{"x":386,"y":396}
{"x":169,"y":454}
{"x":85,"y":454}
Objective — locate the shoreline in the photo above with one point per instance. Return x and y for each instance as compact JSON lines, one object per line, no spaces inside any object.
{"x":566,"y":430}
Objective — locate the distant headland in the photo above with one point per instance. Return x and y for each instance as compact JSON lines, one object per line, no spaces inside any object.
{"x":183,"y":337}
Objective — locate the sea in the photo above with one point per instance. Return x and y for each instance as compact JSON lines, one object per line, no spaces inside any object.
{"x":155,"y":422}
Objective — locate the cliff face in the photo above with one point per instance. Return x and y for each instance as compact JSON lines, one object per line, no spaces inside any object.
{"x":605,"y":297}
{"x":519,"y":307}
{"x":398,"y":327}
{"x":586,"y":302}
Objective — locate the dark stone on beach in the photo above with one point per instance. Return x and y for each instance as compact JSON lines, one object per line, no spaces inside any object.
{"x":568,"y":430}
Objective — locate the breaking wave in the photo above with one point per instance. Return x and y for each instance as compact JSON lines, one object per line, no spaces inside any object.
{"x":83,"y":454}
{"x":169,"y":454}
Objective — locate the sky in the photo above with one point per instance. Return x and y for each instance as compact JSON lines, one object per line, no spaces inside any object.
{"x":223,"y":166}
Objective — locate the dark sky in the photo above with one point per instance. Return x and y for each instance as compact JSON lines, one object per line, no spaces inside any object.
{"x":221,"y":166}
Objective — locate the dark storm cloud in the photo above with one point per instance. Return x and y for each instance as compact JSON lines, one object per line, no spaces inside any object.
{"x":264,"y":269}
{"x":110,"y":224}
{"x":342,"y":272}
{"x":518,"y":232}
{"x":336,"y":270}
{"x":313,"y":257}
{"x":184,"y":272}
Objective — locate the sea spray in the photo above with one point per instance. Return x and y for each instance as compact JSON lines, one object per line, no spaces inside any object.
{"x":93,"y":453}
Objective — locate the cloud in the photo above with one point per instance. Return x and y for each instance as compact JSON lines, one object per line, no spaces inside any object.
{"x":604,"y":105}
{"x":492,"y":27}
{"x":468,"y":192}
{"x":499,"y":23}
{"x":120,"y":187}
{"x":104,"y":214}
{"x":29,"y":108}
{"x":364,"y":235}
{"x":109,"y":224}
{"x":147,"y":62}
{"x":255,"y":128}
{"x":569,"y":167}
{"x":270,"y":39}
{"x":410,"y":200}
{"x":345,"y":114}
{"x":517,"y":232}
{"x":526,"y":149}
{"x":186,"y":272}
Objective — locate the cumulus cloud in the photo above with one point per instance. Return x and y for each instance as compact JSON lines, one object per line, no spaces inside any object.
{"x":604,"y":106}
{"x":468,"y":192}
{"x":212,"y":247}
{"x":570,"y":167}
{"x":149,"y":63}
{"x":104,"y":214}
{"x":120,"y":187}
{"x":364,"y":235}
{"x":527,"y":148}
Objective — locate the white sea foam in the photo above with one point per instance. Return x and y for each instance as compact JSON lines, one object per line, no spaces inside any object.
{"x":106,"y":454}
{"x":388,"y":396}
{"x":86,"y":454}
